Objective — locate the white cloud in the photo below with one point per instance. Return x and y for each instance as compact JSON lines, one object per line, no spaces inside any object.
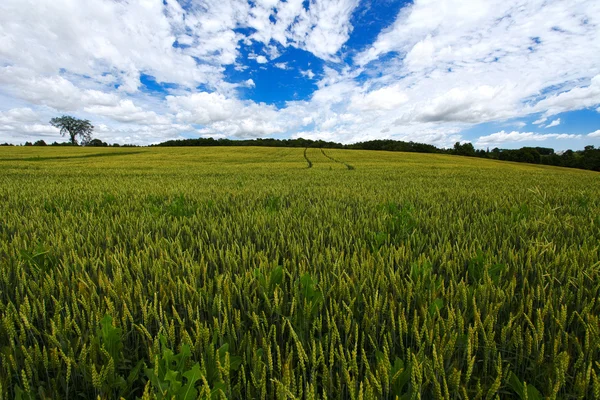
{"x":512,"y":137}
{"x":243,"y":128}
{"x":220,"y":114}
{"x":387,"y":98}
{"x":88,"y":38}
{"x":331,"y":22}
{"x":464,"y":105}
{"x":321,"y":30}
{"x":141,"y":134}
{"x":18,"y":115}
{"x":18,"y":125}
{"x":204,"y":108}
{"x":127,"y":111}
{"x":438,"y":69}
{"x":574,"y":99}
{"x":554,"y":123}
{"x":595,"y":134}
{"x":53,"y":91}
{"x":509,"y":47}
{"x":308,"y":73}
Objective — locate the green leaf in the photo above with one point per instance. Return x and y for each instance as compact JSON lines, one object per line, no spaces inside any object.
{"x":476,"y":268}
{"x":418,"y":270}
{"x":400,"y":380}
{"x":133,"y":376}
{"x":156,"y":381}
{"x":111,"y":338}
{"x":316,"y":301}
{"x":533,"y":393}
{"x":260,"y":277}
{"x":189,"y":391}
{"x":516,"y":385}
{"x":222,"y":351}
{"x":519,"y":388}
{"x":174,"y":381}
{"x":276,"y":277}
{"x":307,"y":284}
{"x":495,"y":272}
{"x":436,"y":306}
{"x":398,"y":366}
{"x":235,"y":362}
{"x":18,"y":393}
{"x":218,"y":388}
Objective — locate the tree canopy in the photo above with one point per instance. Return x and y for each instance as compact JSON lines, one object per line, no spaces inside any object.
{"x":74,"y":127}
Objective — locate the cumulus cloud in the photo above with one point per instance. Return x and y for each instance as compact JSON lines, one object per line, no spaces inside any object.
{"x":54,"y":91}
{"x":88,"y":39}
{"x":18,"y":115}
{"x":220,"y":114}
{"x":127,"y":111}
{"x":163,"y":39}
{"x":437,"y":70}
{"x":386,"y":98}
{"x":24,"y":124}
{"x":512,"y":137}
{"x":321,"y":30}
{"x":510,"y":48}
{"x":574,"y":99}
{"x":131,"y":133}
{"x":595,"y":134}
{"x":261,"y":59}
{"x":308,"y":73}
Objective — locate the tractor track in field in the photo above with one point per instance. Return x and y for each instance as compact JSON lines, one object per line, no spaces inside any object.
{"x":350,"y":167}
{"x":307,"y":159}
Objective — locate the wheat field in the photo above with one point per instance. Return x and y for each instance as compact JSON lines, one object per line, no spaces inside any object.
{"x":290,"y":273}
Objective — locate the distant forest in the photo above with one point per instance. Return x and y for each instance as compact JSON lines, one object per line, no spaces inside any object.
{"x":588,"y":158}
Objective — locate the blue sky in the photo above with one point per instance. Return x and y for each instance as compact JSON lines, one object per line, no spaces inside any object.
{"x":497,"y":73}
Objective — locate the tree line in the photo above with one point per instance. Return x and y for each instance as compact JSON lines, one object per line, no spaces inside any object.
{"x":589,"y":158}
{"x":91,"y":143}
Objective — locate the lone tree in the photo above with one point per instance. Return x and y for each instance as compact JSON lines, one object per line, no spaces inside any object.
{"x":74,"y":127}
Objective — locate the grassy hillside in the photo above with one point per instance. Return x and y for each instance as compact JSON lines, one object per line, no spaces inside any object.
{"x":243,"y":273}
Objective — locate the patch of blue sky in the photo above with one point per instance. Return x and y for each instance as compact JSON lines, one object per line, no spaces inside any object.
{"x":386,"y":65}
{"x":473,"y":133}
{"x":151,"y":86}
{"x":578,"y":122}
{"x":274,"y":85}
{"x":277,"y":86}
{"x":245,"y":31}
{"x":179,"y":45}
{"x":555,"y":89}
{"x":369,"y":19}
